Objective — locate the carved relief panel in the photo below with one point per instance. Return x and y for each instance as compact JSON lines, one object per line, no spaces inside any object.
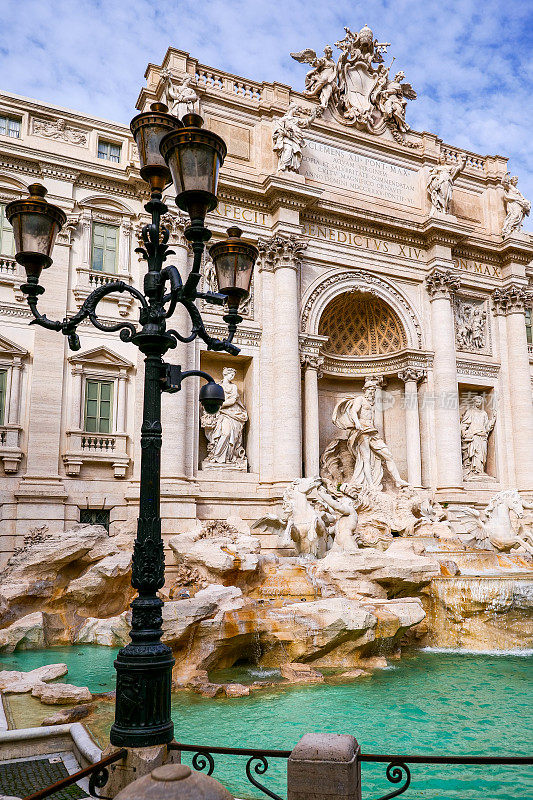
{"x":472,"y":328}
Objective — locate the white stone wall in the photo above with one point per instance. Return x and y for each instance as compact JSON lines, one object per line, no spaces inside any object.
{"x":341,"y":241}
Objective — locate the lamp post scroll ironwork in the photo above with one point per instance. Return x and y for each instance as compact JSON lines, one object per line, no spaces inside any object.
{"x":192,"y":156}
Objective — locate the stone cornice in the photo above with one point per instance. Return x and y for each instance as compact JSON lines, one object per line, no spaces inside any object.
{"x":417,"y":360}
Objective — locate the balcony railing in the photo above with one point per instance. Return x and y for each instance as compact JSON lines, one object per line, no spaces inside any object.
{"x":103,"y":448}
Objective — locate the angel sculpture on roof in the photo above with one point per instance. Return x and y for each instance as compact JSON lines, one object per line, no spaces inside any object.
{"x":358,"y":87}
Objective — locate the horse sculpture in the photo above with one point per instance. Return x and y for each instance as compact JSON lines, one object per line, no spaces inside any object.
{"x":493,"y":527}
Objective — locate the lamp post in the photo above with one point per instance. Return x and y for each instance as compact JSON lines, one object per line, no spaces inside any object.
{"x":181,"y":150}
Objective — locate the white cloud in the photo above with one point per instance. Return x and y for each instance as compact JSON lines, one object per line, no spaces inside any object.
{"x":469,"y":62}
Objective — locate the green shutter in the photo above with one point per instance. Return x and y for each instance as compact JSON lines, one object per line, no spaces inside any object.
{"x":104,"y":248}
{"x":98,"y":406}
{"x":3,"y":392}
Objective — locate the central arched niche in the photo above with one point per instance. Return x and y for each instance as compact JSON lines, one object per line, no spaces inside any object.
{"x":360,"y":326}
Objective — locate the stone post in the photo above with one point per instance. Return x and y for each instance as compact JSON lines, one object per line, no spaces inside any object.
{"x":510,"y":302}
{"x":324,"y":766}
{"x":311,"y":365}
{"x":284,"y":253}
{"x":411,"y":378}
{"x":13,"y":416}
{"x":441,"y":284}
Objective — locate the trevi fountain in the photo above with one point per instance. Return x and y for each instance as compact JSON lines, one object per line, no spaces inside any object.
{"x":354,"y":527}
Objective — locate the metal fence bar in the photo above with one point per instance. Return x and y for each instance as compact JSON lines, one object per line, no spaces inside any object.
{"x":93,"y":770}
{"x":418,"y":759}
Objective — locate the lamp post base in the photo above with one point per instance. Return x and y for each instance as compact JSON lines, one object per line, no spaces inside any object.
{"x":144,"y":679}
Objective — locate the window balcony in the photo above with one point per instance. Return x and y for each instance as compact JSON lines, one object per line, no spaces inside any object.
{"x":10,"y":451}
{"x":89,"y":279}
{"x":11,"y":275}
{"x":96,"y":448}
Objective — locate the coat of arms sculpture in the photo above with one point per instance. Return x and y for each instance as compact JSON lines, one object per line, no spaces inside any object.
{"x":358,"y":86}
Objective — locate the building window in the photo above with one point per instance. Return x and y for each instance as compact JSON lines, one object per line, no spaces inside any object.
{"x":10,"y":126}
{"x":109,"y":151}
{"x":529,"y":327}
{"x":104,"y":247}
{"x":7,"y":243}
{"x":3,"y":394}
{"x":95,"y":516}
{"x":98,"y":406}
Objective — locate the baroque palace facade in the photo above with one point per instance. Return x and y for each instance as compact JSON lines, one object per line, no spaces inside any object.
{"x":381,"y":257}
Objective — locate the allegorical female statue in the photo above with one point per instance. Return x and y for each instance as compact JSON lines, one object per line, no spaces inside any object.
{"x":516,"y":206}
{"x":440,"y":183}
{"x":288,"y":139}
{"x":475,"y":430}
{"x":224,"y":430}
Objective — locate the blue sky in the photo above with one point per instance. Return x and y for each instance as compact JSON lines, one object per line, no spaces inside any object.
{"x":470,"y":62}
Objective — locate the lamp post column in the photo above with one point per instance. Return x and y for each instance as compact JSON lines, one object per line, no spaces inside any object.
{"x":311,"y":365}
{"x":441,"y":284}
{"x":411,"y":377}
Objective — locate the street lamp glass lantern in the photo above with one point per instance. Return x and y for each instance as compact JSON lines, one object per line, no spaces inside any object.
{"x":194,"y":156}
{"x":234,"y":262}
{"x":35,"y":224}
{"x":148,"y":130}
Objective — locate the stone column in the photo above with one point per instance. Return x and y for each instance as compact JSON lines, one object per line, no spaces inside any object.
{"x":411,"y":378}
{"x":174,"y":407}
{"x":510,"y":302}
{"x":311,"y":423}
{"x":284,"y":253}
{"x":13,"y":415}
{"x":76,"y":410}
{"x":441,"y":284}
{"x":121,"y":402}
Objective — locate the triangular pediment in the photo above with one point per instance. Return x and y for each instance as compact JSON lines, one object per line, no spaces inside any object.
{"x":9,"y":348}
{"x":101,"y":357}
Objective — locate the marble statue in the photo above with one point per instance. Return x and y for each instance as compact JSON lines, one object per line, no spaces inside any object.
{"x":288,"y":139}
{"x":224,"y":429}
{"x":440,"y":183}
{"x":357,"y":87}
{"x":181,"y":99}
{"x":210,"y":283}
{"x":493,"y":528}
{"x":302,"y":523}
{"x":516,"y":206}
{"x":345,"y":524}
{"x":319,"y":81}
{"x":475,"y":431}
{"x":470,"y":326}
{"x":359,"y":459}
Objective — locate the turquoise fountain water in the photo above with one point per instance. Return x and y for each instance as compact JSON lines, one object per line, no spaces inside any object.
{"x":435,"y":703}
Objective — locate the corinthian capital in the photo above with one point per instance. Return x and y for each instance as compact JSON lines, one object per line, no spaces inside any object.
{"x":510,"y":300}
{"x":311,"y":361}
{"x":442,"y":283}
{"x":281,"y":251}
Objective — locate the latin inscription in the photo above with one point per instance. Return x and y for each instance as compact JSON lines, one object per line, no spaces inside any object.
{"x":228,"y":211}
{"x":374,"y":243}
{"x":477,"y":266}
{"x":369,"y":176}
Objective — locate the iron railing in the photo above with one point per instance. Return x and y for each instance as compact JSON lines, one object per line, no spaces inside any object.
{"x":397,"y":765}
{"x":98,"y":777}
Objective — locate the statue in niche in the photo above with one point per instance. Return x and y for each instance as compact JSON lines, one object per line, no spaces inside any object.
{"x":470,"y":326}
{"x":440,"y":183}
{"x":180,"y":98}
{"x":319,"y":81}
{"x":516,"y":206}
{"x":288,"y":139}
{"x":224,"y":429}
{"x":358,"y":459}
{"x":475,"y":431}
{"x":210,"y":277}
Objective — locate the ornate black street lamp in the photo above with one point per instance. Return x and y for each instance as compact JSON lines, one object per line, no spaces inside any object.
{"x":191,"y":156}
